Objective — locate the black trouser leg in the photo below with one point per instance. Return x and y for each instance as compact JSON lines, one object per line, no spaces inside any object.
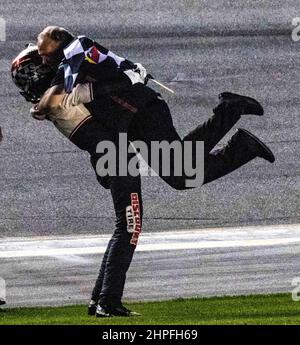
{"x":126,"y":194}
{"x":127,"y":200}
{"x":99,"y":281}
{"x":232,"y":156}
{"x":157,"y":125}
{"x":214,"y":129}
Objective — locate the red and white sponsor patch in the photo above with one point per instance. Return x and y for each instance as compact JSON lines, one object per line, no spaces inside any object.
{"x":133,"y":216}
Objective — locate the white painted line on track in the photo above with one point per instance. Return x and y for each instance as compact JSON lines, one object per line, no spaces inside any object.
{"x":177,"y":240}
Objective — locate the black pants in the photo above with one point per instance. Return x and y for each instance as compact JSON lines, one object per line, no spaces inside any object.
{"x":153,"y":124}
{"x":127,"y":201}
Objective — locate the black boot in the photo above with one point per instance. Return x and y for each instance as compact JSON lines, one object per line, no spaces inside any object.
{"x":238,"y":104}
{"x":241,"y":149}
{"x":256,"y":145}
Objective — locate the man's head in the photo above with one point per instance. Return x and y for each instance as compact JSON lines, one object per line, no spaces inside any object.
{"x":51,"y":42}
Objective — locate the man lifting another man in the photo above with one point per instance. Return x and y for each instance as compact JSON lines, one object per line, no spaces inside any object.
{"x":92,"y":95}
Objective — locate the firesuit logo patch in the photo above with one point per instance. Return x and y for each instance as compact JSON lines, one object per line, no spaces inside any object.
{"x":130,"y":219}
{"x":133,"y":216}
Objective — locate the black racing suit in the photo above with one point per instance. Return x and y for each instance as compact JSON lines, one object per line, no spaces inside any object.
{"x":144,"y":115}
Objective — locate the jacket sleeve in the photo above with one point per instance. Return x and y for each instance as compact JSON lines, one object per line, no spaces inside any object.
{"x":57,"y":98}
{"x":81,"y":93}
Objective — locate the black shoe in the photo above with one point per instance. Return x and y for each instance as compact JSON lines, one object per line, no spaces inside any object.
{"x":2,"y":301}
{"x":122,"y":311}
{"x":114,"y":311}
{"x":92,"y":308}
{"x":242,"y":105}
{"x":260,"y":148}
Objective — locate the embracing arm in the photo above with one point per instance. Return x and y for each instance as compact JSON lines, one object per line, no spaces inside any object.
{"x":56,"y":98}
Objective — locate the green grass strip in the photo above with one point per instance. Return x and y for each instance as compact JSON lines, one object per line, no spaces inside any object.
{"x":257,"y":309}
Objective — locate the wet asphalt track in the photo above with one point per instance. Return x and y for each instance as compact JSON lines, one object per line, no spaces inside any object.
{"x":166,"y":265}
{"x":198,"y":48}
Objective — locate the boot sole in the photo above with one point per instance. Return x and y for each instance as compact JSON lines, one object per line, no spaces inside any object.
{"x":266,"y":153}
{"x":229,"y":96}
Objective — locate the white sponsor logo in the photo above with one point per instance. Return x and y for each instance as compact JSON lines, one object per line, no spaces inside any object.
{"x":137,"y":218}
{"x":130,"y":219}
